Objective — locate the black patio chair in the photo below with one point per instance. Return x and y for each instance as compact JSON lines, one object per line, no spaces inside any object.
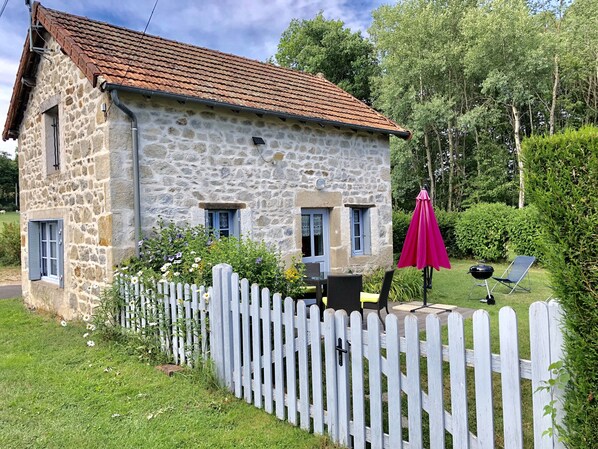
{"x":378,"y":301}
{"x":344,"y":292}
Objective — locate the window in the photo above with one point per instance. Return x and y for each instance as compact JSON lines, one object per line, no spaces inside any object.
{"x":52,"y":139}
{"x":223,"y":223}
{"x":360,"y":231}
{"x":46,"y":254}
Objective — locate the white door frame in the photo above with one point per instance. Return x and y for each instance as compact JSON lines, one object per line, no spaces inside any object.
{"x":323,"y":259}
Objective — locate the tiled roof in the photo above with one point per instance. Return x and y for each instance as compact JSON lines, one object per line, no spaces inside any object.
{"x":130,"y":60}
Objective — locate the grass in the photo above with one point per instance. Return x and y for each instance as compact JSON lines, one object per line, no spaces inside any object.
{"x":56,"y":392}
{"x":9,"y":217}
{"x":456,"y":287}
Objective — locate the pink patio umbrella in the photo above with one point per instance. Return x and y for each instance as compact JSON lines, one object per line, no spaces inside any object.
{"x":424,"y":247}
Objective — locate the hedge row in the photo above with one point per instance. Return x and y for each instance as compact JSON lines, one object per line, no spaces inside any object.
{"x":561,"y":173}
{"x":485,"y":232}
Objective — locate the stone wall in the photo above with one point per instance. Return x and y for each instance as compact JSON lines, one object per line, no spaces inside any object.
{"x":193,"y":154}
{"x":76,"y":193}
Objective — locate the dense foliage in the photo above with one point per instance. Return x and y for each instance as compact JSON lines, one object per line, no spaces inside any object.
{"x":187,"y":254}
{"x":9,"y":177}
{"x":482,"y":231}
{"x":10,"y":244}
{"x":406,"y":284}
{"x":561,"y":174}
{"x":328,"y":47}
{"x":470,"y":79}
{"x":525,"y":233}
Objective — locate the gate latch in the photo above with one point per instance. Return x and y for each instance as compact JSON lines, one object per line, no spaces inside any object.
{"x":341,"y":351}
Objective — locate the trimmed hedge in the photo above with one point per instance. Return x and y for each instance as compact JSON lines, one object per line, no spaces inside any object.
{"x":561,"y":174}
{"x":525,"y":233}
{"x":482,"y":231}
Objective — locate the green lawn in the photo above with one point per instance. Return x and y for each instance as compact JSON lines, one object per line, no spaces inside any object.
{"x":454,"y":286}
{"x":9,"y":217}
{"x":56,"y":392}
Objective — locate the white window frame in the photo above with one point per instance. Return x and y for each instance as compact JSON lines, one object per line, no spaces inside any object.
{"x":46,"y":255}
{"x":360,"y":231}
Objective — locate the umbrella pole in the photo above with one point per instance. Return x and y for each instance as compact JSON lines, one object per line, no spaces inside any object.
{"x":425,"y":271}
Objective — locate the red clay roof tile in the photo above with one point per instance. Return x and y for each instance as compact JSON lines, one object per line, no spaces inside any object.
{"x":129,"y":59}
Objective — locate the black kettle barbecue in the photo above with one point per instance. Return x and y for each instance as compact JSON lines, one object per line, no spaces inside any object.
{"x":483,"y":272}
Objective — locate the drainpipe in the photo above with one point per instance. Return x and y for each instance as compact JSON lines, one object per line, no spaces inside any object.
{"x":135,"y":140}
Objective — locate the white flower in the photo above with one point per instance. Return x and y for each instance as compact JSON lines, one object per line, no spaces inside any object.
{"x":190,"y":270}
{"x":91,"y":343}
{"x":197,"y":259}
{"x":166,"y":274}
{"x":177,"y":261}
{"x":192,"y":252}
{"x":176,"y":273}
{"x":152,"y":324}
{"x":164,"y":281}
{"x":132,"y":304}
{"x":86,"y":317}
{"x":195,"y":265}
{"x":139,"y":273}
{"x":165,"y":267}
{"x":86,"y":334}
{"x":134,"y":280}
{"x":115,"y":415}
{"x":91,"y":327}
{"x":206,"y":296}
{"x":63,"y":323}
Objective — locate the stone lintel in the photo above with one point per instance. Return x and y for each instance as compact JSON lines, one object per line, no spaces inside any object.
{"x":224,"y":206}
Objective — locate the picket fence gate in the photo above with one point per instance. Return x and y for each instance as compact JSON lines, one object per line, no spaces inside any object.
{"x":360,"y":386}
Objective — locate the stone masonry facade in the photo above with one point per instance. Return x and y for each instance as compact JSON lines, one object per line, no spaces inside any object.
{"x":76,"y":193}
{"x":192,"y":157}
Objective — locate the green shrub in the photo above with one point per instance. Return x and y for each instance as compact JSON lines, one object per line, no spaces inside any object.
{"x":187,"y":254}
{"x":482,"y":231}
{"x":525,"y":233}
{"x":406,"y":284}
{"x":447,"y":222}
{"x":400,"y":225}
{"x":561,"y":173}
{"x":10,"y":244}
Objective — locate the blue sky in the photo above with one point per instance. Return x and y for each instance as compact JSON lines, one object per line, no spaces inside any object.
{"x":250,"y":28}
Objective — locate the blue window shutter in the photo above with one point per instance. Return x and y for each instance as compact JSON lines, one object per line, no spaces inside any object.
{"x":60,"y":251}
{"x":34,"y":250}
{"x":367,"y":232}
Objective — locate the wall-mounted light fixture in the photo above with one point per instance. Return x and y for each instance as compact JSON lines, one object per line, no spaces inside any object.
{"x":320,"y":183}
{"x":258,"y":141}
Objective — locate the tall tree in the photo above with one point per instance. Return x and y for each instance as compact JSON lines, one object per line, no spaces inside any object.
{"x":328,"y":47}
{"x":505,"y":50}
{"x":580,"y":62}
{"x":423,"y":84}
{"x":9,"y":177}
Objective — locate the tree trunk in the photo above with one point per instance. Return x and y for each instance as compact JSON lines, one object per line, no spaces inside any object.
{"x":449,"y":206}
{"x":430,"y":166}
{"x":516,"y":128}
{"x":555,"y":87}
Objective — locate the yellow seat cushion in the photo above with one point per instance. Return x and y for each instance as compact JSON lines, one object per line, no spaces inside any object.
{"x":369,"y":297}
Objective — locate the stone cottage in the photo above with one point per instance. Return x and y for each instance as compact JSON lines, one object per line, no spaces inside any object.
{"x":116,"y":128}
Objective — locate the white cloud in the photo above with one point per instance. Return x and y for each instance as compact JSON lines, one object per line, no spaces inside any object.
{"x":250,"y":28}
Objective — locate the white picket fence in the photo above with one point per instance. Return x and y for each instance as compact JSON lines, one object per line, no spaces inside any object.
{"x":358,"y":385}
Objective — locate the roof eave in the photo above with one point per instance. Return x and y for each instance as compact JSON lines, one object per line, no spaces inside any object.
{"x":403,"y":134}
